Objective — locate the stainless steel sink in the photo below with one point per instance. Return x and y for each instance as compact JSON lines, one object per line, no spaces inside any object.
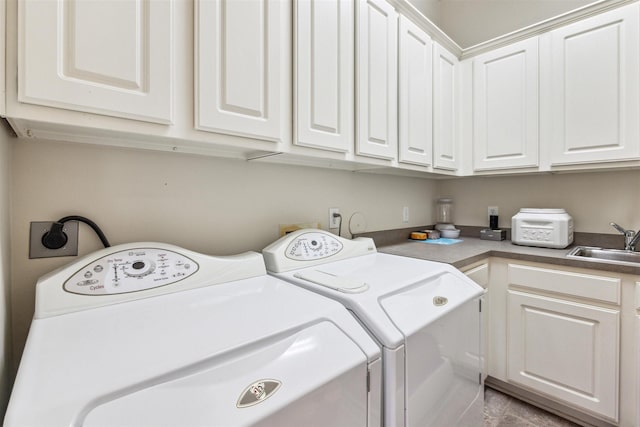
{"x":613,"y":256}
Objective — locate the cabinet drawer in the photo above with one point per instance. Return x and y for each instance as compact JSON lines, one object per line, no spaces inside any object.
{"x":598,"y":288}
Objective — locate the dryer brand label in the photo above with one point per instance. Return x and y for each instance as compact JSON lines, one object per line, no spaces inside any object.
{"x":438,"y":301}
{"x":258,"y":392}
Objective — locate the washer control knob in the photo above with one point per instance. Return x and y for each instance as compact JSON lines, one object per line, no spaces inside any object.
{"x":139,"y":268}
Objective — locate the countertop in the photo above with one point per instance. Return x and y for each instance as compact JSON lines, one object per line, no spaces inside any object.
{"x":473,"y":249}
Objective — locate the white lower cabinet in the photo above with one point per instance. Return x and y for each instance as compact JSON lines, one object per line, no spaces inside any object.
{"x":566,"y":350}
{"x":479,"y":273}
{"x":566,"y":335}
{"x":563,"y":336}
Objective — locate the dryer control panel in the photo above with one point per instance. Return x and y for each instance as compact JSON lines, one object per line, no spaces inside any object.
{"x":131,"y":270}
{"x":313,"y":245}
{"x":308,"y":247}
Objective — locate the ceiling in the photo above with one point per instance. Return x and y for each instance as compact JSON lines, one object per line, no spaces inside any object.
{"x":470,"y":22}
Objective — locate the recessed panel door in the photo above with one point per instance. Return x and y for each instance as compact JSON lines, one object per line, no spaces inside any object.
{"x":324,"y":64}
{"x":445,"y":151}
{"x":415,"y":95}
{"x":99,"y":56}
{"x":505,"y":107}
{"x":242,"y":59}
{"x":377,"y":79}
{"x":595,"y":92}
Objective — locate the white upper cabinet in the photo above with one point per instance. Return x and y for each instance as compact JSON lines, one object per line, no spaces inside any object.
{"x":100,"y":56}
{"x":415,"y":95}
{"x":445,"y":152}
{"x":377,"y":79}
{"x":2,"y":61}
{"x":594,"y":89}
{"x":505,"y":107}
{"x":324,"y":67}
{"x":242,"y":78}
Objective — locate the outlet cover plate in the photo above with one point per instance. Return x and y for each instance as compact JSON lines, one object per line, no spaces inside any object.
{"x":39,"y":228}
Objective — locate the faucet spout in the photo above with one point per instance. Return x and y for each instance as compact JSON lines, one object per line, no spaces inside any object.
{"x":631,"y":246}
{"x":630,"y":237}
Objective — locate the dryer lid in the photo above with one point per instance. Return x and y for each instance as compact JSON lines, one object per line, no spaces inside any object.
{"x":162,"y":350}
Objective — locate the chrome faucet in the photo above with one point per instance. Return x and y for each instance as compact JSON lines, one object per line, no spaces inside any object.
{"x":630,"y":237}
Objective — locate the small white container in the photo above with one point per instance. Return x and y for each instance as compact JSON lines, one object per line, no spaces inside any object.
{"x":450,"y":234}
{"x":546,"y":228}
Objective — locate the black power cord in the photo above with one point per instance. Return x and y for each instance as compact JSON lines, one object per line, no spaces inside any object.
{"x":55,"y":238}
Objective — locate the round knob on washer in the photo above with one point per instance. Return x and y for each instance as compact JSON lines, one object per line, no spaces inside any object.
{"x":139,"y":268}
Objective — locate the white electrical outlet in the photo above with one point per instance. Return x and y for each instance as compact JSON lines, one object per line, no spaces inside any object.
{"x":334,"y":222}
{"x":405,"y":214}
{"x":493,"y":210}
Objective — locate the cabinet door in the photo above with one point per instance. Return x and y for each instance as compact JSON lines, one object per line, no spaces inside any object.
{"x":594,"y":91}
{"x":2,"y":61}
{"x":445,"y":153}
{"x":566,"y":350}
{"x":480,"y":275}
{"x":505,"y":107}
{"x":242,"y":56}
{"x":377,"y":79}
{"x":99,"y":56}
{"x":415,"y":95}
{"x":324,"y":58}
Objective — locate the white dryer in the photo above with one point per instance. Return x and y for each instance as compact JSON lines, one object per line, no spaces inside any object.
{"x":425,"y":315}
{"x":149,"y":334}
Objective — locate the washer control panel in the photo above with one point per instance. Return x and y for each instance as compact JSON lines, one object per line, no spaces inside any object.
{"x":312,"y":246}
{"x":131,"y":270}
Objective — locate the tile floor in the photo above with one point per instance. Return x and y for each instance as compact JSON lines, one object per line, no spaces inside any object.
{"x":501,"y":410}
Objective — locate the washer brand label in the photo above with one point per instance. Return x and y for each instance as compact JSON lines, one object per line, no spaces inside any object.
{"x":258,"y":392}
{"x":438,"y":301}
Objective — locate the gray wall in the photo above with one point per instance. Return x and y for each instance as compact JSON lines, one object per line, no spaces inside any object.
{"x":220,"y":206}
{"x":6,"y":143}
{"x":210,"y":205}
{"x":593,"y":199}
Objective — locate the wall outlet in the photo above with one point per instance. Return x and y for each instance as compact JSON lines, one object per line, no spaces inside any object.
{"x":405,"y":214}
{"x":493,"y":210}
{"x":334,"y":222}
{"x":37,"y":249}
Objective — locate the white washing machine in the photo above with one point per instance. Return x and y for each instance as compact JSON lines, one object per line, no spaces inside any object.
{"x":425,"y":315}
{"x":150,"y":334}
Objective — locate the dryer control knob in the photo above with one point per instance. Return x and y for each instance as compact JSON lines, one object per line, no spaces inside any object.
{"x":139,"y":268}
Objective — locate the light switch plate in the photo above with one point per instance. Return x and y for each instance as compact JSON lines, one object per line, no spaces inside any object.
{"x":39,"y":228}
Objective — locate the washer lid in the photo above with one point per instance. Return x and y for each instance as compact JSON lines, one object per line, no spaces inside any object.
{"x":433,"y":299}
{"x":231,"y":389}
{"x":400,"y":295}
{"x":177,"y":350}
